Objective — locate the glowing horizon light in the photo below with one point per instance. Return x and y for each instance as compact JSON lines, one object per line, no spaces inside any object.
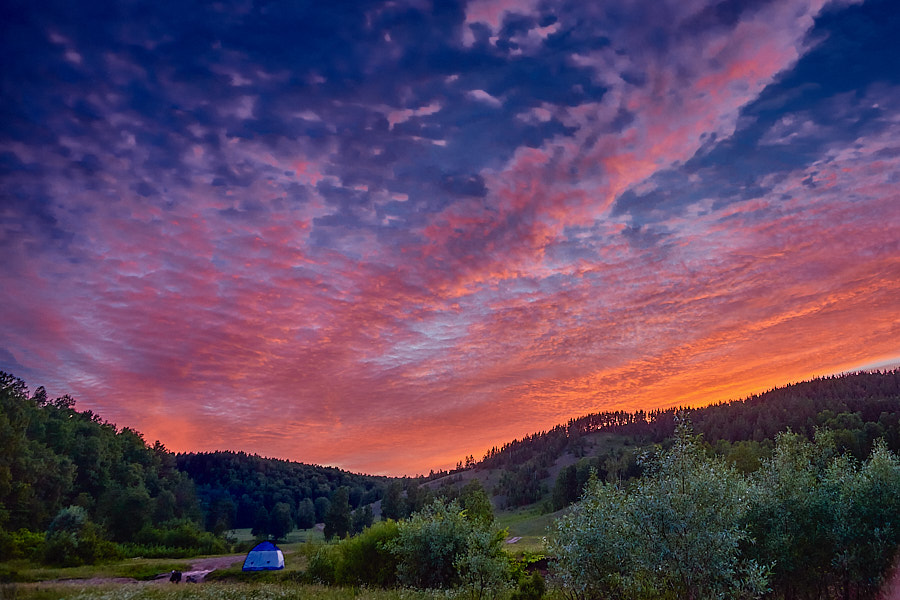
{"x":389,"y":238}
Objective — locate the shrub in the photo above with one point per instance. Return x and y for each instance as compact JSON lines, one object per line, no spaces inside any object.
{"x":530,"y":587}
{"x":73,"y":540}
{"x":21,"y":544}
{"x":322,"y":564}
{"x":439,"y":547}
{"x":183,"y":536}
{"x":676,"y":533}
{"x":366,"y":559}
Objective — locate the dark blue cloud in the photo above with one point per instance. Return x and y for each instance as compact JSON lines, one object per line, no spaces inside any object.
{"x":826,"y":89}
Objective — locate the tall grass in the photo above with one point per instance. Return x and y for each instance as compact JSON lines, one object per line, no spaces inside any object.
{"x":216,"y":591}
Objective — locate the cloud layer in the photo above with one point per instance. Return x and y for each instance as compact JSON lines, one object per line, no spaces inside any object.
{"x":386,"y":238}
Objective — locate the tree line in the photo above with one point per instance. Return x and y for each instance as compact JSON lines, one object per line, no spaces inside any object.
{"x":76,"y":489}
{"x":859,"y":408}
{"x":811,"y":522}
{"x":240,"y":490}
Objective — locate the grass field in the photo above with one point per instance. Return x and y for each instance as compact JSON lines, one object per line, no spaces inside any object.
{"x":298,"y":536}
{"x":134,"y":568}
{"x":213,"y":591}
{"x":530,"y":525}
{"x":38,"y":582}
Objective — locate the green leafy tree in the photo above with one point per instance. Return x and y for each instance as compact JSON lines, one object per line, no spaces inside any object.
{"x":676,"y":533}
{"x":261,"y":522}
{"x":392,"y":505}
{"x":594,"y":545}
{"x":476,"y":503}
{"x":788,"y":518}
{"x":483,"y":568}
{"x":688,"y":515}
{"x":73,"y":539}
{"x":126,"y":511}
{"x":361,"y":518}
{"x":863,"y":503}
{"x":280,"y":522}
{"x":321,"y":504}
{"x":366,"y":559}
{"x":338,"y":521}
{"x":438,"y":547}
{"x":306,"y":514}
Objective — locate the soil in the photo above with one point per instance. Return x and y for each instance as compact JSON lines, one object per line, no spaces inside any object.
{"x":199,"y":569}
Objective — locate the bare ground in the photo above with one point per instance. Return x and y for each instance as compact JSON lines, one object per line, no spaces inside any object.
{"x":199,"y":569}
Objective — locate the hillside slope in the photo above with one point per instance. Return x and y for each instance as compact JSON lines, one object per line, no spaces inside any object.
{"x":857,"y":408}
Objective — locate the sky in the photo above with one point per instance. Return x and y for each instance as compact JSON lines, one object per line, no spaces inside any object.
{"x":386,"y":235}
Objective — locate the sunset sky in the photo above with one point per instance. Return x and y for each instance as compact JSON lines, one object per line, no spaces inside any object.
{"x":385,"y":235}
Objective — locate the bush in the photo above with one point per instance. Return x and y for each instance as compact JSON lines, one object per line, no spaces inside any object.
{"x":322,"y":564}
{"x":366,"y":559}
{"x":73,"y":540}
{"x":439,"y":547}
{"x":21,"y":544}
{"x":530,"y":587}
{"x":180,"y":537}
{"x":678,"y":531}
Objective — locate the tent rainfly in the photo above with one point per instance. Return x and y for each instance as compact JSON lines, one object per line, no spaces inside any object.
{"x":264,"y":557}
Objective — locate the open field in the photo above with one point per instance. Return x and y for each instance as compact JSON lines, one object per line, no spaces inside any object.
{"x":529,"y":525}
{"x":211,"y":591}
{"x":133,"y":568}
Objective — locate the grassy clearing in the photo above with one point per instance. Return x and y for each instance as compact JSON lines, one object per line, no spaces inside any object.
{"x":216,"y":591}
{"x":134,"y":568}
{"x":530,"y":525}
{"x":295,"y":562}
{"x":298,"y":536}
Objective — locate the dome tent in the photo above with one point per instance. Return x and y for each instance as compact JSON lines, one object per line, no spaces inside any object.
{"x":265,"y":556}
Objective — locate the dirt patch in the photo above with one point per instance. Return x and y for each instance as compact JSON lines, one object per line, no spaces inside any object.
{"x":199,"y":569}
{"x":202,"y":567}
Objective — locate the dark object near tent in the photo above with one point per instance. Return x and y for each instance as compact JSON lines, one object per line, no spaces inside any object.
{"x":265,"y":556}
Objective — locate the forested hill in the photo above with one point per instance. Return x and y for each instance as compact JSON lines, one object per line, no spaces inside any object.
{"x":53,"y":457}
{"x":243,"y":489}
{"x":857,"y":408}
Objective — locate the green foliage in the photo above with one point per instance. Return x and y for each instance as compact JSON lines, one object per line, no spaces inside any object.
{"x":439,"y":547}
{"x":827,"y":521}
{"x":306,"y":514}
{"x":249,"y":481}
{"x":126,"y":511}
{"x":176,"y":538}
{"x":367,"y":559}
{"x":73,"y":540}
{"x":477,"y":505}
{"x":280,"y":522}
{"x":788,"y":518}
{"x":530,"y":586}
{"x":392,"y":504}
{"x":52,"y":456}
{"x":261,"y":521}
{"x":322,"y":564}
{"x":21,"y":544}
{"x":809,"y":522}
{"x":338,"y":521}
{"x":483,"y":568}
{"x":361,"y":518}
{"x":676,"y":533}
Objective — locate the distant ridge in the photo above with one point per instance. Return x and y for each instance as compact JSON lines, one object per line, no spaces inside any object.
{"x":857,"y":407}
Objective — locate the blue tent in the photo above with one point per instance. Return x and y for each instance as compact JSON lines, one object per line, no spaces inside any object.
{"x":265,"y":556}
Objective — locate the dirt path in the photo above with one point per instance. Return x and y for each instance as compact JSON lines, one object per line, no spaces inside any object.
{"x":199,"y":569}
{"x":202,"y":567}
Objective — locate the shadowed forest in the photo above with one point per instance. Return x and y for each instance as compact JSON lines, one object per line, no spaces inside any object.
{"x":794,"y":493}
